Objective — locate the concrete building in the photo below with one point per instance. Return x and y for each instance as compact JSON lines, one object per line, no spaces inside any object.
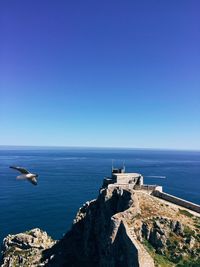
{"x":120,"y":178}
{"x":133,"y":181}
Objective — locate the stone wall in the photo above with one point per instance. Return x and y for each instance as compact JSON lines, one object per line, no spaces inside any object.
{"x":124,"y":250}
{"x":148,"y":188}
{"x":122,"y":186}
{"x":177,"y":201}
{"x":138,"y":256}
{"x":125,"y":178}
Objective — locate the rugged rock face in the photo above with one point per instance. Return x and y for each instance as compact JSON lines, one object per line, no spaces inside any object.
{"x":99,"y":236}
{"x":121,"y":228}
{"x":25,"y":248}
{"x":176,"y":242}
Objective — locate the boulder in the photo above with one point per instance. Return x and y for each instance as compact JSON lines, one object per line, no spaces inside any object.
{"x":22,"y":248}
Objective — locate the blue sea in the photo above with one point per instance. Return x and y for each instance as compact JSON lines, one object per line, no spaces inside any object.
{"x":68,"y":177}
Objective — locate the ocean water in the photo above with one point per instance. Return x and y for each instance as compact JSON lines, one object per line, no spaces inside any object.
{"x":70,"y":176}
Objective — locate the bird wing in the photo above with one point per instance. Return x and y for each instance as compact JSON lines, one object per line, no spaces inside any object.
{"x":20,"y":169}
{"x":33,"y":180}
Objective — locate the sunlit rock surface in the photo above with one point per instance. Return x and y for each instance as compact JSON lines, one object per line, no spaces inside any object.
{"x":121,"y":228}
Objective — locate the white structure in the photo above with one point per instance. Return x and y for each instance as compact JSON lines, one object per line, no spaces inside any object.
{"x":128,"y":180}
{"x":119,"y":177}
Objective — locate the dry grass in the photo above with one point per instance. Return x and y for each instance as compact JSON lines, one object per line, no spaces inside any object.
{"x":154,"y":207}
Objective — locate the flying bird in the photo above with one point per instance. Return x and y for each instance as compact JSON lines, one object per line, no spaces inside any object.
{"x":31,"y":177}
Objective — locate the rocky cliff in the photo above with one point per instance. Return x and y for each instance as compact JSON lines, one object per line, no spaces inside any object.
{"x":120,"y":228}
{"x":25,"y":249}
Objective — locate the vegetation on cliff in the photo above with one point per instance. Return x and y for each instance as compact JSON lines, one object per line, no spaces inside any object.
{"x":120,"y":228}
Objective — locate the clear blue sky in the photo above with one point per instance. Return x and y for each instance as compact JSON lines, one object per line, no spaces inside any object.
{"x":100,"y":73}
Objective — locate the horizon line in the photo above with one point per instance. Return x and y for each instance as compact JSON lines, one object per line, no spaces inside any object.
{"x":98,"y":147}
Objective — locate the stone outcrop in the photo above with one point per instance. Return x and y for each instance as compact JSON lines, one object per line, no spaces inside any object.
{"x":171,"y":238}
{"x":100,"y":235}
{"x":25,"y":249}
{"x":121,"y":228}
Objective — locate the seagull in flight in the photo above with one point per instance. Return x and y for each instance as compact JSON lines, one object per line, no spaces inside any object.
{"x":25,"y":174}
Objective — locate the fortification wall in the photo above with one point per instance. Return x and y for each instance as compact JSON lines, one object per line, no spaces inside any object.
{"x":177,"y":201}
{"x":148,"y":188}
{"x":122,"y":186}
{"x":125,"y":179}
{"x":138,"y":256}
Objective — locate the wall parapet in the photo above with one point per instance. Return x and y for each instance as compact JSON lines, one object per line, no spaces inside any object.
{"x":148,"y":188}
{"x":178,"y":201}
{"x":138,"y":251}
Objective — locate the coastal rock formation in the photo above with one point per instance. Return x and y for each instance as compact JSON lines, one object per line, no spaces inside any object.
{"x":100,"y":235}
{"x":25,"y":249}
{"x":171,"y":239}
{"x":121,"y":228}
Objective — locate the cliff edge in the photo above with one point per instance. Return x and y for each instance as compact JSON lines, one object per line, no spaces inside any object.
{"x":122,"y":227}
